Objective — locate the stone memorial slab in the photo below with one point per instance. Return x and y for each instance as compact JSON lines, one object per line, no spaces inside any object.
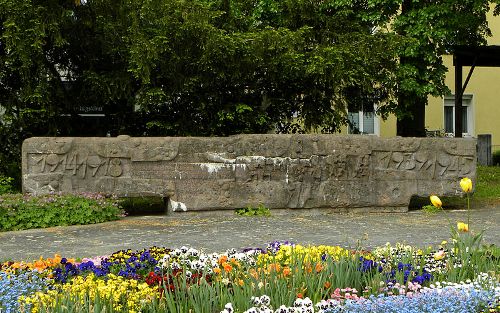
{"x":278,"y":171}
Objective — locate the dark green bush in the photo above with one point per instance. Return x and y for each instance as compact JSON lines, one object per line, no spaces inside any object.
{"x":18,"y":211}
{"x":5,"y":185}
{"x":496,"y":158}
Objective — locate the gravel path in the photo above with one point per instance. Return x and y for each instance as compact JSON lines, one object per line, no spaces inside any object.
{"x":218,"y":231}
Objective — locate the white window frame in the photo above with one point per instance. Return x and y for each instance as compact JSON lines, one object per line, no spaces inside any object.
{"x":468,"y":102}
{"x":376,"y":123}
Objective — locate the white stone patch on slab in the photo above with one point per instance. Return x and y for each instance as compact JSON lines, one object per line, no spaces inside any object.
{"x":250,"y":158}
{"x":243,"y":166}
{"x":177,"y":206}
{"x":256,"y":158}
{"x":219,"y":158}
{"x":214,"y":167}
{"x":280,"y":160}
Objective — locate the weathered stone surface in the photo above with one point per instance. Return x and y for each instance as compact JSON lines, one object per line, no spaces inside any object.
{"x":278,"y":171}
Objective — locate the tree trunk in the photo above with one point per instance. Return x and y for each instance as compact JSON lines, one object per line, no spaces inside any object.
{"x":414,"y":125}
{"x":411,"y":124}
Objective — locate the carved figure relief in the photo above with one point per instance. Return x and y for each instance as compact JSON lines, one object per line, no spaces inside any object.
{"x":57,"y":146}
{"x":296,"y":171}
{"x":362,"y":167}
{"x":337,"y":166}
{"x":165,"y":150}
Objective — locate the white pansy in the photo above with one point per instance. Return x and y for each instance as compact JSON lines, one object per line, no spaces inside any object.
{"x":282,"y":309}
{"x":175,"y":266}
{"x":255,"y":301}
{"x":265,"y":300}
{"x":229,"y":308}
{"x":193,"y":252}
{"x":298,"y":302}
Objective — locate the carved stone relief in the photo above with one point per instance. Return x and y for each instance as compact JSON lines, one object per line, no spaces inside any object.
{"x":280,"y":171}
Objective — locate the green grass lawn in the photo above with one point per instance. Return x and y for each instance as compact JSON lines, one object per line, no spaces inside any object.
{"x":486,"y":191}
{"x":488,"y":183}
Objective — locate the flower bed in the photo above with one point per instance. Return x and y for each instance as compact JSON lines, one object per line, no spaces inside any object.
{"x":463,"y":276}
{"x":283,"y":277}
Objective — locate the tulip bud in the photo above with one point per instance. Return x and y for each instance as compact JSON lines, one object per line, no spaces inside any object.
{"x":462,"y":227}
{"x":466,"y":184}
{"x":436,"y":201}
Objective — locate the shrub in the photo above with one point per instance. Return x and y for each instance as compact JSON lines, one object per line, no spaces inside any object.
{"x":261,"y":210}
{"x":496,"y":158}
{"x":5,"y":185}
{"x":19,"y":211}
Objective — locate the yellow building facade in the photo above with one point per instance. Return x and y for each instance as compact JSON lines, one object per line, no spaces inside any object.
{"x":481,"y":101}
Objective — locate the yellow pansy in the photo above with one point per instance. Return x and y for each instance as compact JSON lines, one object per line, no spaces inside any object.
{"x":124,"y":293}
{"x":307,"y":254}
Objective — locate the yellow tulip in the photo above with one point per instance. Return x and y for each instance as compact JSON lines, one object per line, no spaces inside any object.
{"x":466,"y":184}
{"x":436,"y":201}
{"x":462,"y":227}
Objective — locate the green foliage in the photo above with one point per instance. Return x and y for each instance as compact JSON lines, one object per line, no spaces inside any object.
{"x":488,"y":183}
{"x":188,"y":67}
{"x":431,"y":209}
{"x":275,"y":60}
{"x":260,"y":210}
{"x":469,"y":251}
{"x":496,"y":158}
{"x":143,"y":205}
{"x":5,"y":185}
{"x":212,"y":67}
{"x":24,"y":212}
{"x":431,"y":29}
{"x":468,"y":257}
